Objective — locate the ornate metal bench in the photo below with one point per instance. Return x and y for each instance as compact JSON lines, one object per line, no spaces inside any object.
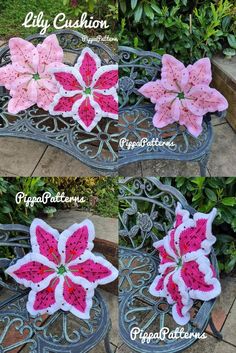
{"x":97,"y":149}
{"x":60,"y":332}
{"x":135,"y":116}
{"x":143,"y":203}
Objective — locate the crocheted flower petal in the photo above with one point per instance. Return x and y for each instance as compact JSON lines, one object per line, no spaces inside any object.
{"x":177,"y":294}
{"x":32,"y":90}
{"x":63,"y":105}
{"x":19,"y":102}
{"x":174,"y":75}
{"x":44,"y":301}
{"x":105,"y":78}
{"x":194,"y":237}
{"x":108,"y":104}
{"x":200,"y":72}
{"x":24,"y":55}
{"x":167,"y":258}
{"x":87,"y":112}
{"x":94,"y":269}
{"x":153,"y":90}
{"x":157,"y":287}
{"x":163,"y":116}
{"x":203,"y":99}
{"x":87,"y":64}
{"x":49,"y":52}
{"x":20,"y":82}
{"x":48,"y":84}
{"x":181,"y":215}
{"x":45,"y":98}
{"x":33,"y":270}
{"x":44,"y":240}
{"x":69,"y":78}
{"x":200,"y":279}
{"x":77,"y":297}
{"x":192,"y":122}
{"x":75,"y":240}
{"x":8,"y":75}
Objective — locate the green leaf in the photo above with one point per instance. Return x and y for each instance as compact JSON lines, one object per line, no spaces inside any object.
{"x":229,"y":201}
{"x":148,"y":11}
{"x":138,"y":13}
{"x":156,"y":9}
{"x":232,"y":40}
{"x":133,"y":4}
{"x":210,"y":194}
{"x":6,"y":209}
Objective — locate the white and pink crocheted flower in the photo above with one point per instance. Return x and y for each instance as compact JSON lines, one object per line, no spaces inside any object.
{"x":185,"y":270}
{"x":87,"y":91}
{"x":29,"y":76}
{"x":61,"y":269}
{"x":183,"y":94}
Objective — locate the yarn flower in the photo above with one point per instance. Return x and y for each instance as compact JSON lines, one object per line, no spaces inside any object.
{"x":61,"y":270}
{"x":28,"y":77}
{"x":185,"y":270}
{"x":183,"y":94}
{"x":87,"y":91}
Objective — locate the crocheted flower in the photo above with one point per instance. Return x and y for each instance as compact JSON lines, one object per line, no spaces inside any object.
{"x":185,"y":270}
{"x":87,"y":91}
{"x":183,"y":94}
{"x":28,"y":77}
{"x":61,"y":270}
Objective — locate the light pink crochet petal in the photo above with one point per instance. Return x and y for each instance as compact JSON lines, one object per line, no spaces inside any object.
{"x":65,"y":104}
{"x":75,"y":240}
{"x":32,"y":90}
{"x":200,"y":279}
{"x":44,"y":301}
{"x":68,"y":81}
{"x":19,"y":102}
{"x":45,"y":98}
{"x":21,"y":81}
{"x":44,"y":240}
{"x":174,"y":75}
{"x":87,"y":112}
{"x":77,"y":298}
{"x":106,"y":77}
{"x":191,"y":121}
{"x":203,"y":99}
{"x":48,"y":84}
{"x":8,"y":76}
{"x":24,"y":55}
{"x":200,"y":73}
{"x":94,"y":269}
{"x":153,"y":90}
{"x":49,"y":52}
{"x":87,"y":65}
{"x":107,"y":103}
{"x":163,"y":116}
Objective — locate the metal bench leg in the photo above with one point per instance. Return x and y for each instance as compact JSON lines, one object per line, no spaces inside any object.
{"x":203,"y":164}
{"x":107,"y":342}
{"x":216,"y":333}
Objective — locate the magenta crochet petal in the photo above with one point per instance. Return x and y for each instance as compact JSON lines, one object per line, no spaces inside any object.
{"x":106,"y":77}
{"x":75,"y":240}
{"x":24,"y":55}
{"x":87,"y":112}
{"x":44,"y":240}
{"x":44,"y":301}
{"x":202,"y":99}
{"x":157,"y":287}
{"x":174,"y":75}
{"x":63,"y":105}
{"x":200,"y":73}
{"x":87,"y":65}
{"x":49,"y":52}
{"x":108,"y":104}
{"x":8,"y":75}
{"x":68,"y":80}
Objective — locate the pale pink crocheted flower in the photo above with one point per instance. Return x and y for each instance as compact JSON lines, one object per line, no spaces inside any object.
{"x":185,"y":270}
{"x":61,"y":270}
{"x":183,"y":94}
{"x":29,"y":76}
{"x":87,"y":91}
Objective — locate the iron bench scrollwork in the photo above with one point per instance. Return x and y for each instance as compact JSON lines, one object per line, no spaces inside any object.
{"x":96,"y":149}
{"x":138,"y":67}
{"x":144,"y":203}
{"x":60,"y":332}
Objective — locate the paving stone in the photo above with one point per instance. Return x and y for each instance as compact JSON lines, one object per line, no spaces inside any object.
{"x":19,"y":156}
{"x":133,"y":169}
{"x":222,"y":160}
{"x":228,"y":330}
{"x":223,"y":302}
{"x":58,"y":163}
{"x":224,"y":347}
{"x":170,"y":168}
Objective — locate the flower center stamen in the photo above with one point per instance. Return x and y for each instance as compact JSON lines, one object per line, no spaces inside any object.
{"x":36,"y":77}
{"x":179,"y":262}
{"x":181,"y":95}
{"x":61,"y":270}
{"x":87,"y":90}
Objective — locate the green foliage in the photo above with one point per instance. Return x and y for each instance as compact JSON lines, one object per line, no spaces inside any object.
{"x":188,"y":30}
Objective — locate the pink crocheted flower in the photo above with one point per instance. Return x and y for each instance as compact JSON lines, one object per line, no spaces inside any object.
{"x":61,"y":270}
{"x":87,"y":91}
{"x":29,"y":77}
{"x":183,"y":94}
{"x":185,"y":270}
